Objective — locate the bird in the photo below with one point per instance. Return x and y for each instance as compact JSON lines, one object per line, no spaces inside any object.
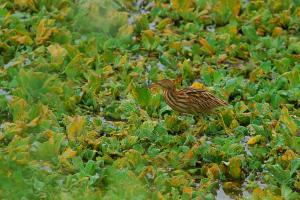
{"x":189,"y":100}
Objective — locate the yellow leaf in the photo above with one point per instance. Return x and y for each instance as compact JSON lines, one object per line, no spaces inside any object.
{"x":235,"y":9}
{"x":198,"y":85}
{"x":254,"y":140}
{"x":242,"y":107}
{"x":189,"y":155}
{"x":148,"y":34}
{"x":176,"y":45}
{"x":16,"y":128}
{"x":207,"y":46}
{"x":34,"y":122}
{"x":222,"y":5}
{"x":140,"y":63}
{"x":175,"y":4}
{"x":63,"y":13}
{"x":288,"y":121}
{"x":182,"y":5}
{"x":63,"y":158}
{"x":163,"y":23}
{"x":68,"y":153}
{"x":258,"y":193}
{"x":126,"y":30}
{"x":108,"y":70}
{"x":255,"y":74}
{"x":18,"y":150}
{"x":18,"y":107}
{"x":75,"y":127}
{"x":25,"y":4}
{"x":277,"y":31}
{"x":233,"y":30}
{"x":260,"y":31}
{"x":213,"y":171}
{"x":75,"y":62}
{"x":262,"y":194}
{"x":234,"y":123}
{"x":231,"y":185}
{"x":4,"y":46}
{"x":177,"y":181}
{"x":235,"y":167}
{"x":148,"y":170}
{"x":91,"y":138}
{"x":57,"y":52}
{"x":168,"y":32}
{"x":210,"y":70}
{"x":222,"y":58}
{"x":188,"y":190}
{"x":123,"y":60}
{"x":48,"y":133}
{"x":288,"y":155}
{"x":43,"y":31}
{"x":298,"y":11}
{"x":22,"y":39}
{"x":160,"y":196}
{"x":1,"y":136}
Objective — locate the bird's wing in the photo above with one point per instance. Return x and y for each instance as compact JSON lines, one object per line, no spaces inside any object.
{"x":204,"y":99}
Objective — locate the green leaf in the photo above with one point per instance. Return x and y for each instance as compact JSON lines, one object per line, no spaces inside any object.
{"x":295,"y":165}
{"x":146,"y":129}
{"x":143,"y":95}
{"x":266,"y":66}
{"x":48,"y":150}
{"x":250,"y":33}
{"x":287,"y":193}
{"x":280,"y":175}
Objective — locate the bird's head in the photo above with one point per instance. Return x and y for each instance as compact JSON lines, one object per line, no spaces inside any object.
{"x":166,"y":84}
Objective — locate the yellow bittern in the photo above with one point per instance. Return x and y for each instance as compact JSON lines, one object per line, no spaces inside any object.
{"x":189,"y":100}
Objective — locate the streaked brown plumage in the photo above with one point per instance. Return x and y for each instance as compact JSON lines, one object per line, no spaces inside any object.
{"x":189,"y":100}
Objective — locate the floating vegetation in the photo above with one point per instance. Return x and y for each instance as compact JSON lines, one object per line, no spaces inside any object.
{"x":78,"y":121}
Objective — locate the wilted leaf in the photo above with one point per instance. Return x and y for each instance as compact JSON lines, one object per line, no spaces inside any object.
{"x":44,"y":30}
{"x":182,"y":5}
{"x":207,"y":46}
{"x":68,"y":153}
{"x":75,"y":127}
{"x":188,"y":191}
{"x":288,"y":155}
{"x":57,"y":52}
{"x":255,"y":139}
{"x":26,"y":4}
{"x":224,"y":10}
{"x":288,"y":121}
{"x":235,"y":167}
{"x":22,"y":39}
{"x":177,"y":181}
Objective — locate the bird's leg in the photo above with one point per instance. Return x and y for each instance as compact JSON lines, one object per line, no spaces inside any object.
{"x":223,"y":123}
{"x":177,"y":115}
{"x":200,"y":124}
{"x":219,"y":115}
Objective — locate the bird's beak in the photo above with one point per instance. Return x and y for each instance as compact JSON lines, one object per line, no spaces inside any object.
{"x":154,"y":85}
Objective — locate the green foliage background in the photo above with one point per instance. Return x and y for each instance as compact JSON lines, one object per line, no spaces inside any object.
{"x":78,"y":122}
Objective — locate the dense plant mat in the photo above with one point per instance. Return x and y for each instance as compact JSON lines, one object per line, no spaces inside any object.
{"x":77,"y":120}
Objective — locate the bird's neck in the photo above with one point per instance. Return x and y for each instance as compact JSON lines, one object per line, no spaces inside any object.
{"x":171,"y":89}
